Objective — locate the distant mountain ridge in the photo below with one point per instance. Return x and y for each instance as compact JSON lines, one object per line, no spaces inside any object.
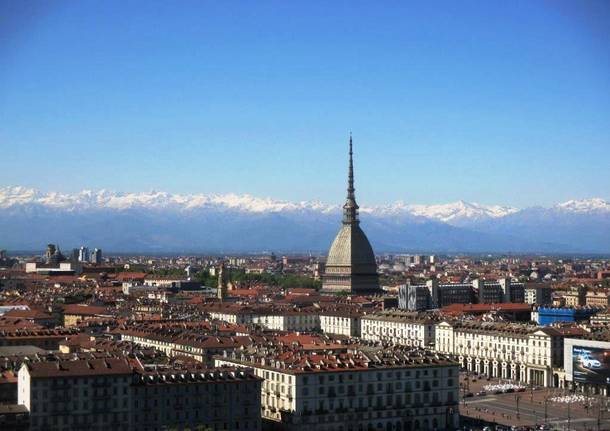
{"x":160,"y":221}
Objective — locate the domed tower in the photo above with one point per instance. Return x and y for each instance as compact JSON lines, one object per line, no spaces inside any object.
{"x":350,"y":266}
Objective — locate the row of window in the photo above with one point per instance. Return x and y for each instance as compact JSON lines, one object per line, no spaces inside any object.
{"x":380,"y":375}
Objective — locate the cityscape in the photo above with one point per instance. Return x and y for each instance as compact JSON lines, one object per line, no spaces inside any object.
{"x":324,"y":307}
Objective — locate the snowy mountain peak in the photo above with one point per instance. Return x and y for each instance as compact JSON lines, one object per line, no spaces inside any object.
{"x":460,"y":210}
{"x":585,"y":205}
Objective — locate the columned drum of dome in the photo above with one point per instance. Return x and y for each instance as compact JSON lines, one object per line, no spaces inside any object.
{"x":350,"y":266}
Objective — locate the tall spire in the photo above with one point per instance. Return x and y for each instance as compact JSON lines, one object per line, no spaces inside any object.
{"x":350,"y":177}
{"x":350,"y":208}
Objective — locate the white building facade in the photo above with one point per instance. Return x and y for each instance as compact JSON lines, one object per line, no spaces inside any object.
{"x":528,"y":354}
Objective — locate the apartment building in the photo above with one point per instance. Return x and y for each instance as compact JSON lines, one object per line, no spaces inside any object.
{"x":275,"y":318}
{"x":175,"y":342}
{"x":118,"y":393}
{"x":537,"y":294}
{"x":398,"y":388}
{"x":598,"y":299}
{"x":399,"y":327}
{"x":232,"y":313}
{"x":576,"y":296}
{"x":217,"y":399}
{"x":435,"y":295}
{"x":47,"y":339}
{"x":288,"y":320}
{"x":74,"y":313}
{"x":89,"y":394}
{"x":340,"y":322}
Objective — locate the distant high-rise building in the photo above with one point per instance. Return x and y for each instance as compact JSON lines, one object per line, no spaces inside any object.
{"x":83,"y":254}
{"x":96,"y":256}
{"x":351,"y":265}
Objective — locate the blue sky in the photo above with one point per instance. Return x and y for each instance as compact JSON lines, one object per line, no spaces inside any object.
{"x":492,"y":102}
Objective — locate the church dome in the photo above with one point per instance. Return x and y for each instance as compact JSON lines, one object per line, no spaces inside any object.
{"x":351,"y":248}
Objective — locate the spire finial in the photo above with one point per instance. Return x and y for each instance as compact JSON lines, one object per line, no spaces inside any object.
{"x":350,"y":209}
{"x":350,"y":177}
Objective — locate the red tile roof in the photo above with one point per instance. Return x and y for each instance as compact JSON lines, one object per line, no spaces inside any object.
{"x":91,"y":367}
{"x":484,"y":308}
{"x":125,"y":276}
{"x":85,"y":310}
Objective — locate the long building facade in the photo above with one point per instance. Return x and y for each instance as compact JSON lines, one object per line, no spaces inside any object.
{"x":436,"y":295}
{"x":396,"y":389}
{"x":399,"y":327}
{"x":114,"y":393}
{"x":528,"y":354}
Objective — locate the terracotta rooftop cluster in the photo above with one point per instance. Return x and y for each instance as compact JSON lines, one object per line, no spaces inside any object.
{"x":297,"y":361}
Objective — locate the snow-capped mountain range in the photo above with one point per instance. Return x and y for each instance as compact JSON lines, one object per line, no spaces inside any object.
{"x":163,"y":221}
{"x":87,"y":199}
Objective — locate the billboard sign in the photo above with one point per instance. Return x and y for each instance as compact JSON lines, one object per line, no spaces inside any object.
{"x":591,"y":365}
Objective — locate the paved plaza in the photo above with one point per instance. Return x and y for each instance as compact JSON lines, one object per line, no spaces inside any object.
{"x":557,"y":408}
